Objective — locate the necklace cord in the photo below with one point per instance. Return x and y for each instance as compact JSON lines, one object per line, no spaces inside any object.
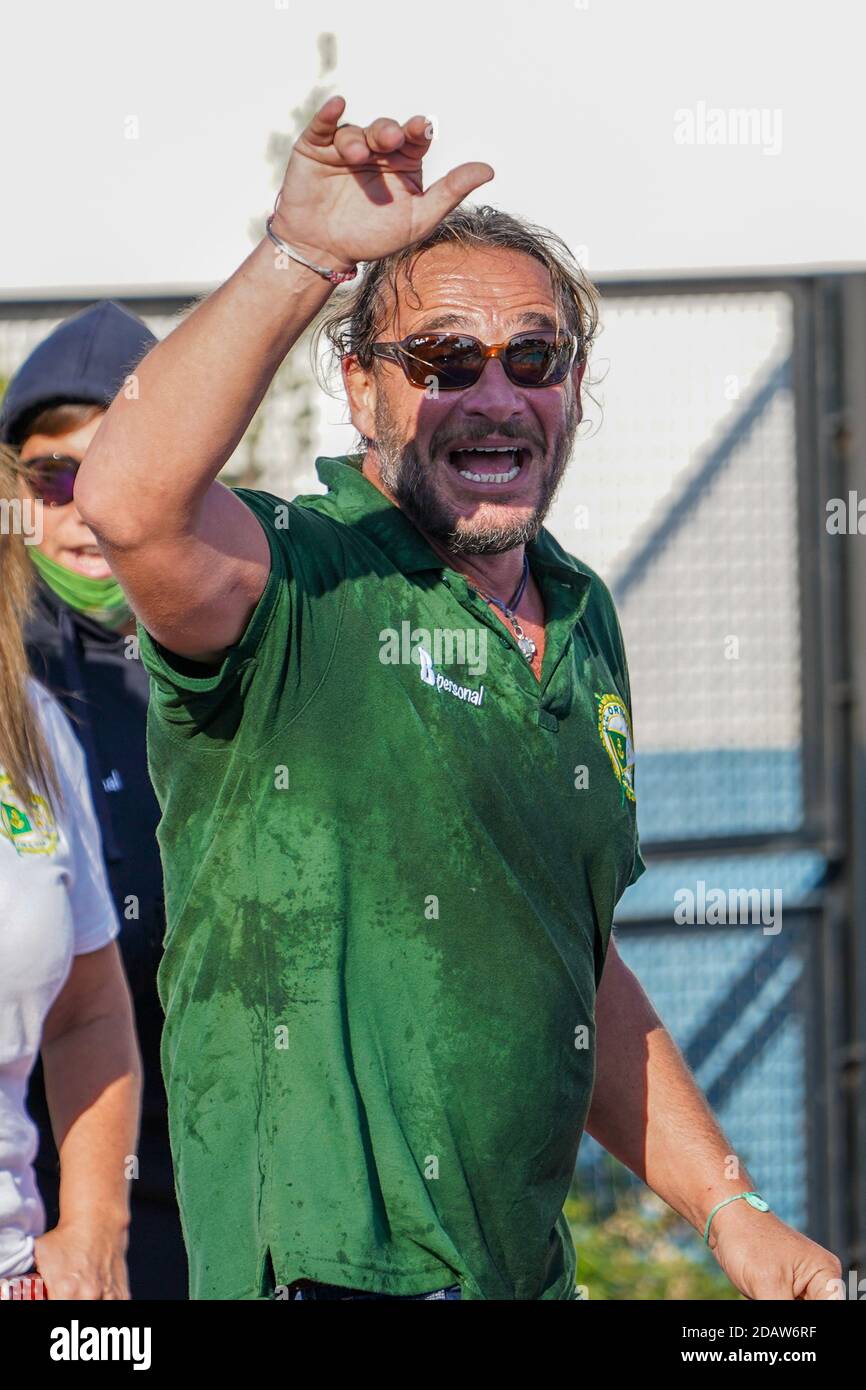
{"x":508,"y":608}
{"x":526,"y":644}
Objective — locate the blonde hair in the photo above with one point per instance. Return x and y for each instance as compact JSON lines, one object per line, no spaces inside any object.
{"x":24,"y":753}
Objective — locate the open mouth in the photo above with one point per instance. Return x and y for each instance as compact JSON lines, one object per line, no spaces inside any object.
{"x":492,"y":464}
{"x":88,"y":560}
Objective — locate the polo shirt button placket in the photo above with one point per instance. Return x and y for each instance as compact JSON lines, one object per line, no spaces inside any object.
{"x":464,"y":592}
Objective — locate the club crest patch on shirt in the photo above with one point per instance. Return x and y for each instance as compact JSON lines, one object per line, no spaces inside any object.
{"x":614,"y":729}
{"x":31,"y":828}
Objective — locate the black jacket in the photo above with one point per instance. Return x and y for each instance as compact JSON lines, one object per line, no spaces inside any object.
{"x":104,"y":690}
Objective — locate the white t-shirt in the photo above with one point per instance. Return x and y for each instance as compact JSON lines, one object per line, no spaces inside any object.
{"x":55,"y":903}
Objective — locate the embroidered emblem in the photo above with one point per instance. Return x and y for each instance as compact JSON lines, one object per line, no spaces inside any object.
{"x":614,"y":729}
{"x":31,"y":829}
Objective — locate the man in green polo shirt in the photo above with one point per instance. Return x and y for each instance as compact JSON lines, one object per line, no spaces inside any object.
{"x":390,"y":733}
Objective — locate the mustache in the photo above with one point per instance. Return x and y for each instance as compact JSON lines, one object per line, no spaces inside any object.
{"x":477,"y":434}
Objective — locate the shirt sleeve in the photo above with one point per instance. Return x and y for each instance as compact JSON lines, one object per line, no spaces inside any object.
{"x":94,"y":917}
{"x":186,"y":695}
{"x":638,"y":865}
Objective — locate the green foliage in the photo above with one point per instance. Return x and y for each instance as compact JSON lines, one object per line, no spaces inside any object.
{"x":641,"y":1250}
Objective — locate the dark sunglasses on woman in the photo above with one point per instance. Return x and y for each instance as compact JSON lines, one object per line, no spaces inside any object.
{"x":455,"y":360}
{"x":52,"y":477}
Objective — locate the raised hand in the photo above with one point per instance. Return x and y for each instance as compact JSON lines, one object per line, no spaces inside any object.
{"x":353,"y":193}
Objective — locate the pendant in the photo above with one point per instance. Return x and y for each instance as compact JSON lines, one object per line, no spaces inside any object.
{"x":527,"y":646}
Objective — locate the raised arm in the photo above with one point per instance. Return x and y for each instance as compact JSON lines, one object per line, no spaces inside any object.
{"x":192,"y":558}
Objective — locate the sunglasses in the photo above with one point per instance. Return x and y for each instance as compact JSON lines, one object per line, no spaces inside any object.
{"x":456,"y":361}
{"x":52,"y":477}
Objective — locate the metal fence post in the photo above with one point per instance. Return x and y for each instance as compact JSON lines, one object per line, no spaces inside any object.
{"x":851,"y":441}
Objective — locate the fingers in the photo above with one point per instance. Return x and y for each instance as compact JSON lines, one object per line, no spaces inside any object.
{"x":825,"y":1283}
{"x":384,"y":136}
{"x":350,"y":144}
{"x":323,"y":126}
{"x":355,"y":144}
{"x":418,"y":131}
{"x":444,"y":195}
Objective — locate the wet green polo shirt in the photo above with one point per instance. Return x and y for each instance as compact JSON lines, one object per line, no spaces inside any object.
{"x":391,"y":863}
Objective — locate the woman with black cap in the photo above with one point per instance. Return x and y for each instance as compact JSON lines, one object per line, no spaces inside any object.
{"x":81,"y":644}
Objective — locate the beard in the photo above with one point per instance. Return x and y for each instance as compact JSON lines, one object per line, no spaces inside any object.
{"x":412,"y":482}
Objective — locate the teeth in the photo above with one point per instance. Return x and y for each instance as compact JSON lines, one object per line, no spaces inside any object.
{"x":490,"y":477}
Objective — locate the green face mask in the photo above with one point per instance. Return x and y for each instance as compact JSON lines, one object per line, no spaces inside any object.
{"x":103,"y":600}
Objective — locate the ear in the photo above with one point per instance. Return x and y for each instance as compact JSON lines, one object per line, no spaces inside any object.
{"x":360,"y":386}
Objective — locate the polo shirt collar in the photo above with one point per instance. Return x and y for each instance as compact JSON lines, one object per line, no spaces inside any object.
{"x":361,"y":503}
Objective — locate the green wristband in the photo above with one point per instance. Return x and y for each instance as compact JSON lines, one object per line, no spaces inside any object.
{"x":754,"y":1199}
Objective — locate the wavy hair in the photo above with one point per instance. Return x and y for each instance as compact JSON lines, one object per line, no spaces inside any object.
{"x":24,"y":754}
{"x":354,"y":318}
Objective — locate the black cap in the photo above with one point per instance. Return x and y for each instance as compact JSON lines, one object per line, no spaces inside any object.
{"x":87,"y":358}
